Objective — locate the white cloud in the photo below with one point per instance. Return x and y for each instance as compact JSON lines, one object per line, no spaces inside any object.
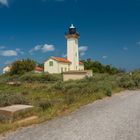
{"x":43,"y":48}
{"x":8,"y":53}
{"x":104,"y":57}
{"x":82,"y":50}
{"x":48,"y":48}
{"x":4,"y":2}
{"x":36,"y":48}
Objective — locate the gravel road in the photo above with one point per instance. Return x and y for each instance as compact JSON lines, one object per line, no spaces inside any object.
{"x":116,"y":118}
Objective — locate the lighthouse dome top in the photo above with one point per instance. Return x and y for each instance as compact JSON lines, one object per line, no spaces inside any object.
{"x":72,"y":26}
{"x":72,"y":32}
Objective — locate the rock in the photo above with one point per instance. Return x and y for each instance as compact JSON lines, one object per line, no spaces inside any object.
{"x":14,"y":83}
{"x":15,"y":112}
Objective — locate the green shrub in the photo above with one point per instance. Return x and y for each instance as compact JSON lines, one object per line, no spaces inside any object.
{"x":43,"y":77}
{"x":45,"y":104}
{"x":136,"y":78}
{"x":7,"y":99}
{"x":20,"y":67}
{"x":127,"y":82}
{"x":109,"y":92}
{"x":7,"y":78}
{"x":54,"y":77}
{"x":32,"y":77}
{"x":4,"y":119}
{"x":57,"y":86}
{"x":69,"y":99}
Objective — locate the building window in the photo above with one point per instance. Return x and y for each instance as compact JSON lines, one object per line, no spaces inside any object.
{"x":65,"y":69}
{"x":51,"y":63}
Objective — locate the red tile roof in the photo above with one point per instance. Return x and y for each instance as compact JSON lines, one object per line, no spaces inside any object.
{"x":38,"y":69}
{"x":64,"y":60}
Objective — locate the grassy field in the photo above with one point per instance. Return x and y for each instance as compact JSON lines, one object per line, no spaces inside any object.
{"x":52,"y":97}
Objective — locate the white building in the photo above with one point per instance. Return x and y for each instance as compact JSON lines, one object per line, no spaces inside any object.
{"x":71,"y":63}
{"x":6,"y":69}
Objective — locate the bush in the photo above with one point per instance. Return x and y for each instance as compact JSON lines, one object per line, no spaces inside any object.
{"x":136,"y":78}
{"x":127,"y":82}
{"x":4,"y":118}
{"x":7,"y":78}
{"x":45,"y":104}
{"x":109,"y":92}
{"x":7,"y":99}
{"x":69,"y":99}
{"x":43,"y":77}
{"x":22,"y":66}
{"x":98,"y":67}
{"x":54,"y":77}
{"x":32,"y":77}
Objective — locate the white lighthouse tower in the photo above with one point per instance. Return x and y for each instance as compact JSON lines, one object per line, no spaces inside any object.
{"x":72,"y":47}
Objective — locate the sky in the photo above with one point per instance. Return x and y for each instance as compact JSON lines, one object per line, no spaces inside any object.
{"x":109,"y":30}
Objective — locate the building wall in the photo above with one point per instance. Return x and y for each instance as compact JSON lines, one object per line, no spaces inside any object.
{"x":81,"y":67}
{"x":67,"y":77}
{"x":73,"y":53}
{"x":63,"y":67}
{"x":51,"y":69}
{"x":6,"y":69}
{"x":57,"y":67}
{"x":77,"y":75}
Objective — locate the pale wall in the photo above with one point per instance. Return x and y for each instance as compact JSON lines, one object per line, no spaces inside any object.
{"x":77,"y":75}
{"x":72,"y":50}
{"x":56,"y":68}
{"x":53,"y":69}
{"x":67,"y":77}
{"x":65,"y":66}
{"x":81,"y":67}
{"x":6,"y":69}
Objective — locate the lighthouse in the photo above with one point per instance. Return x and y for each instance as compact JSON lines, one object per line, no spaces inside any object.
{"x":72,"y":37}
{"x":55,"y":64}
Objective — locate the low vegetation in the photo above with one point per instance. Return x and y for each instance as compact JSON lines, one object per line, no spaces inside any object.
{"x":98,"y":67}
{"x":53,"y":97}
{"x":7,"y":99}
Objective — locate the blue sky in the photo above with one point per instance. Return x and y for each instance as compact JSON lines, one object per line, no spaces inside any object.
{"x":109,"y":29}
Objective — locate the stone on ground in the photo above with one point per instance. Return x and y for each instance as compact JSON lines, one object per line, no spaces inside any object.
{"x":15,"y":112}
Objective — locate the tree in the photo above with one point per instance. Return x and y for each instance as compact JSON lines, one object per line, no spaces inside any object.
{"x":22,"y":66}
{"x":98,"y":67}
